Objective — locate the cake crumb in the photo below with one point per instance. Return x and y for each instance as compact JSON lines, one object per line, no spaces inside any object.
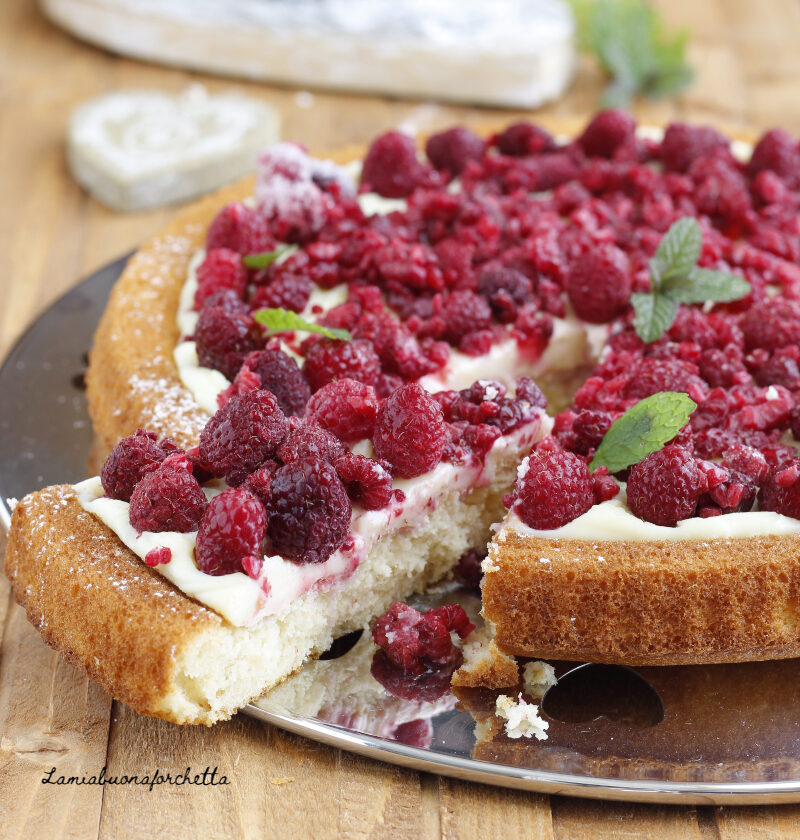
{"x":537,"y":678}
{"x":522,"y":719}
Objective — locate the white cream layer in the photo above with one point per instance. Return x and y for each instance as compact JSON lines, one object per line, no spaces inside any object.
{"x":243,"y":600}
{"x":613,"y":520}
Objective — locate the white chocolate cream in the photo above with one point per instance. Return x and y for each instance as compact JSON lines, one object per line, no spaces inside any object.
{"x":613,"y":520}
{"x":243,"y":600}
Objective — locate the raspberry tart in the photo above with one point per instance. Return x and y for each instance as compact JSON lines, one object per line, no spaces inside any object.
{"x":334,"y":382}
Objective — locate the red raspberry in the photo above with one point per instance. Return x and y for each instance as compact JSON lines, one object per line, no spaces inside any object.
{"x":554,"y":487}
{"x":469,"y":570}
{"x":399,"y":351}
{"x":224,"y":339}
{"x":228,"y":300}
{"x":367,"y":482}
{"x":599,"y":283}
{"x":345,"y":408}
{"x":651,"y":376}
{"x":259,"y":483}
{"x":414,"y":733}
{"x":240,"y":228}
{"x":242,"y":435}
{"x":604,"y":486}
{"x":167,"y":499}
{"x":245,"y":380}
{"x":421,"y":688}
{"x":772,"y":324}
{"x":286,"y":291}
{"x":309,"y":440}
{"x":607,"y":131}
{"x":452,"y":150}
{"x":523,"y":139}
{"x":590,"y":428}
{"x":221,"y":269}
{"x":129,"y":460}
{"x":777,"y":151}
{"x":410,"y":432}
{"x":781,"y":490}
{"x":534,"y":329}
{"x":665,"y":487}
{"x":506,"y":290}
{"x":683,"y":144}
{"x":158,"y":556}
{"x":278,"y":372}
{"x":781,"y":368}
{"x":329,"y":359}
{"x":231,"y":532}
{"x":464,"y":312}
{"x":723,"y":368}
{"x":309,"y":516}
{"x":747,"y":461}
{"x":391,"y":167}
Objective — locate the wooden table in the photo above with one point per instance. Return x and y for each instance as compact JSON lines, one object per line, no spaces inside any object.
{"x":52,"y":234}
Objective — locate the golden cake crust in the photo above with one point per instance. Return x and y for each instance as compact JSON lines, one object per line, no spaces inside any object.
{"x":645,"y":603}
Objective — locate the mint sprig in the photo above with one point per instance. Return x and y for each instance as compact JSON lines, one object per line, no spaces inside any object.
{"x":284,"y":320}
{"x":644,"y":428}
{"x":266,"y":258}
{"x":630,"y":42}
{"x":675,"y":278}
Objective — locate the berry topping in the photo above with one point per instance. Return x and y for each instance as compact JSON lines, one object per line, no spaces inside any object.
{"x":278,"y":373}
{"x":523,"y":139}
{"x":781,"y":490}
{"x":259,"y":483}
{"x":239,"y":228}
{"x":309,"y":439}
{"x":309,"y":515}
{"x":167,"y":499}
{"x":329,"y":359}
{"x":221,"y":269}
{"x":469,"y":568}
{"x":344,"y":408}
{"x":506,"y":290}
{"x":665,"y":487}
{"x":464,"y":313}
{"x":683,"y":144}
{"x":129,"y":460}
{"x":452,"y":150}
{"x":391,"y":167}
{"x":158,"y":556}
{"x":599,"y":283}
{"x":777,"y":151}
{"x":224,"y":338}
{"x":410,"y":432}
{"x":231,"y":531}
{"x":606,"y":133}
{"x":242,"y":435}
{"x":553,"y":487}
{"x":772,"y":324}
{"x":367,"y":482}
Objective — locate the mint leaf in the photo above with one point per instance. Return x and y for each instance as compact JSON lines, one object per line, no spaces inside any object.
{"x":654,"y":314}
{"x":284,"y":320}
{"x":266,"y":258}
{"x":680,"y":247}
{"x":644,"y":428}
{"x":704,"y":284}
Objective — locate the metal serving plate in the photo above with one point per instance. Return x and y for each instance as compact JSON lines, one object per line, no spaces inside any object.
{"x":702,"y":734}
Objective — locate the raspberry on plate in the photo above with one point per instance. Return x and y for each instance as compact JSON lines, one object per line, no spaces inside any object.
{"x":368,"y":482}
{"x":279,"y":374}
{"x":167,"y":499}
{"x":345,"y":408}
{"x":599,"y":283}
{"x":129,"y":460}
{"x":231,"y":531}
{"x":330,"y":359}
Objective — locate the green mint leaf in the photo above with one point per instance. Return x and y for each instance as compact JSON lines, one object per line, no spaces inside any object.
{"x":284,"y":320}
{"x":680,"y":246}
{"x":657,"y":272}
{"x":266,"y":258}
{"x":703,"y":284}
{"x":654,"y":314}
{"x":644,"y":428}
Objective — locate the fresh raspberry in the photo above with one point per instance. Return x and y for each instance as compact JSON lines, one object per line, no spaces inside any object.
{"x":221,"y":269}
{"x":651,"y":376}
{"x":309,"y":516}
{"x":421,"y":688}
{"x":391,"y":167}
{"x":747,"y":461}
{"x":410,"y":431}
{"x":287,"y":290}
{"x":224,"y":338}
{"x":599,"y":283}
{"x":242,"y":435}
{"x":683,"y":144}
{"x":506,"y":290}
{"x":723,"y":368}
{"x":278,"y":372}
{"x":604,"y":486}
{"x":781,"y":368}
{"x":367,"y":482}
{"x":452,"y":150}
{"x":522,"y":139}
{"x":794,"y":422}
{"x":553,"y":487}
{"x":399,"y":351}
{"x":158,"y":556}
{"x":534,"y":330}
{"x":665,"y":487}
{"x":129,"y":460}
{"x":772,"y":324}
{"x":167,"y":499}
{"x":240,"y":228}
{"x":781,"y":490}
{"x":345,"y":408}
{"x":245,"y":380}
{"x":259,"y":483}
{"x":414,"y":733}
{"x":590,"y":428}
{"x":777,"y":151}
{"x":231,"y":531}
{"x":329,"y":359}
{"x":309,"y":440}
{"x":464,"y":312}
{"x":606,"y":132}
{"x":468,"y":569}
